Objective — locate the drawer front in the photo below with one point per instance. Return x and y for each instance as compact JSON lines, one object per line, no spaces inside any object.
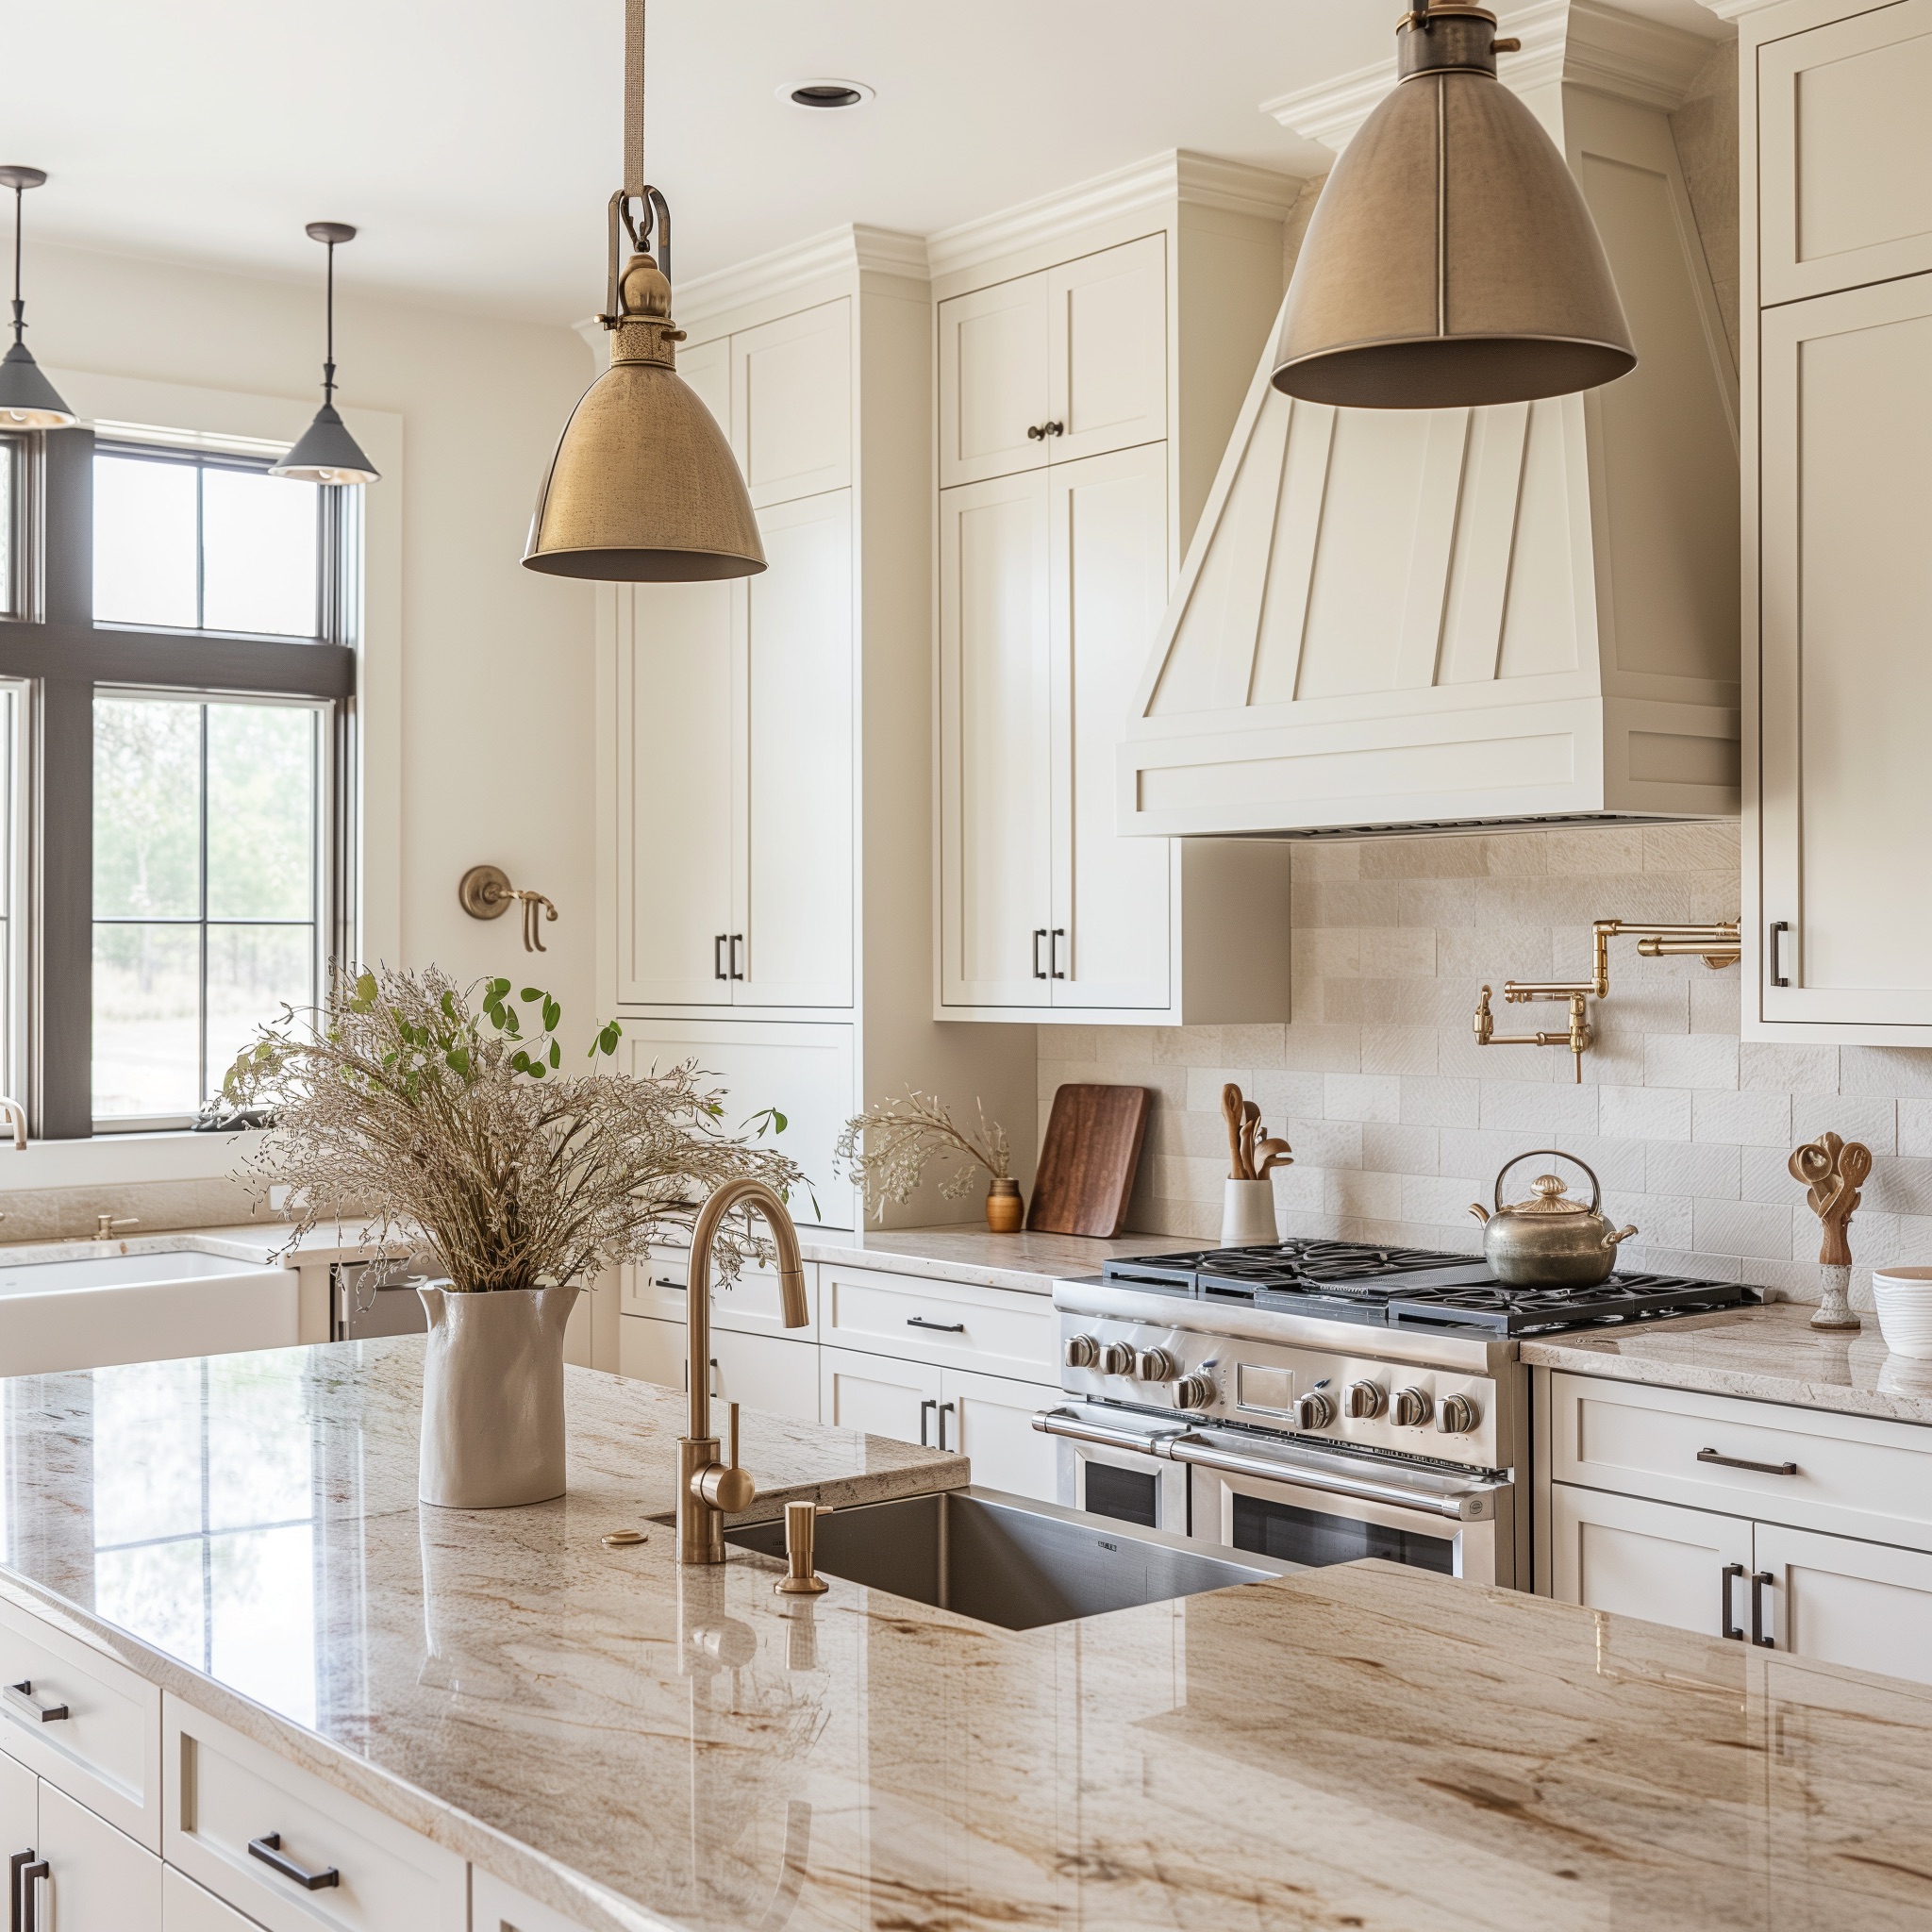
{"x":752,"y":1304}
{"x":994,"y":1331}
{"x":98,"y":1879}
{"x":187,"y":1906}
{"x":226,"y":1790}
{"x":1813,"y":1469}
{"x":106,"y":1751}
{"x":495,"y":1907}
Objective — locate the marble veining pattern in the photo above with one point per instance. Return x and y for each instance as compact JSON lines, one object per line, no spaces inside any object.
{"x":1764,"y":1355}
{"x":637,"y":1745}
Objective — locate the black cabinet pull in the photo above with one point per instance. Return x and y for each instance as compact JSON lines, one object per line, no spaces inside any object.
{"x":18,"y":1860}
{"x":1758,"y":1580}
{"x":268,"y":1848}
{"x":1744,"y":1462}
{"x":1039,"y":934}
{"x":937,"y":1327}
{"x":737,"y":969}
{"x":930,"y":1401}
{"x":946,"y":1408}
{"x":665,"y":1281}
{"x":1779,"y":928}
{"x":1732,"y":1573}
{"x":20,"y":1697}
{"x":1052,"y":952}
{"x":26,"y":1870}
{"x":718,"y":955}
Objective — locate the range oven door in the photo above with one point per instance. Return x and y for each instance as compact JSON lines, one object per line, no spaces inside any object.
{"x":1308,"y":1507}
{"x":1109,"y":1465}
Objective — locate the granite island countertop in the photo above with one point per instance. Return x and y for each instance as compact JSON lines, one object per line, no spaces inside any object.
{"x":1770,"y":1354}
{"x":637,"y":1745}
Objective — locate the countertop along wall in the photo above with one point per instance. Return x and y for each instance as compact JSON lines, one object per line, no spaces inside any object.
{"x":497,"y":673}
{"x":1399,"y":1120}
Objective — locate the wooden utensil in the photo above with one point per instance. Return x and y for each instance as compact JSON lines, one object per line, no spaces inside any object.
{"x":1832,"y":1170}
{"x":1087,"y":1161}
{"x":1251,"y":1127}
{"x":1272,"y":1154}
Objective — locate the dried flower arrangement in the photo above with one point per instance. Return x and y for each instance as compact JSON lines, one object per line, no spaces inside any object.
{"x":885,"y":1150}
{"x":444,"y":1112}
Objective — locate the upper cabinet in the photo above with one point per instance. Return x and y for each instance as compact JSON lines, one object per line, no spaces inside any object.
{"x":1070,"y":361}
{"x":1075,"y":402}
{"x":791,"y":419}
{"x":1838,"y":791}
{"x":1844,"y":152}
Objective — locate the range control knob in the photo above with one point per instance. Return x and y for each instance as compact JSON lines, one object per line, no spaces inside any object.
{"x":1194,"y":1391}
{"x":1116,"y":1358}
{"x":1455,"y":1415}
{"x":1411,"y":1409}
{"x":1313,"y":1411}
{"x":1364,"y":1401}
{"x":1081,"y":1352}
{"x":1155,"y":1365}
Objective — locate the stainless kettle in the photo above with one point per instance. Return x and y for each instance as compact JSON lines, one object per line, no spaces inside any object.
{"x":1549,"y":1240}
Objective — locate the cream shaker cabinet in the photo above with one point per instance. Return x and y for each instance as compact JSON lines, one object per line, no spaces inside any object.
{"x":1050,"y":367}
{"x":735,"y":705}
{"x":1837,"y":376}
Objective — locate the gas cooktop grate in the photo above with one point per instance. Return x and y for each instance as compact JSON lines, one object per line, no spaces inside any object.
{"x":1524,"y":1310}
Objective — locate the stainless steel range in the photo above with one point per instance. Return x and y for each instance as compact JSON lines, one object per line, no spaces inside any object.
{"x":1320,"y":1401}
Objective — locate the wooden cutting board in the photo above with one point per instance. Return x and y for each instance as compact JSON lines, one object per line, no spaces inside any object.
{"x":1087,"y":1163}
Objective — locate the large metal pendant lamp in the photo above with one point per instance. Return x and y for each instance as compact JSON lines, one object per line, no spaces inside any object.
{"x":27,"y":399}
{"x":1451,"y":260}
{"x":326,"y":453}
{"x":642,"y":488}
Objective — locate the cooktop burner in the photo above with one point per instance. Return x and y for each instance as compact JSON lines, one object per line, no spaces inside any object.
{"x":1412,"y":1287}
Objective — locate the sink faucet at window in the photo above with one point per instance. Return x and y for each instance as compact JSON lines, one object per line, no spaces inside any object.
{"x":707,"y":1488}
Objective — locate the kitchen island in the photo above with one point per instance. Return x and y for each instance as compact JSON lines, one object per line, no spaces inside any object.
{"x":629,"y":1744}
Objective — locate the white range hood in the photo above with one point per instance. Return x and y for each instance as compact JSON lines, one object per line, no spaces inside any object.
{"x":1392,"y":620}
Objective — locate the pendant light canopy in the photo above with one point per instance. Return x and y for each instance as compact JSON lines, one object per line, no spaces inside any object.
{"x":643,"y":488}
{"x":27,"y":399}
{"x":1451,"y":260}
{"x":326,"y":452}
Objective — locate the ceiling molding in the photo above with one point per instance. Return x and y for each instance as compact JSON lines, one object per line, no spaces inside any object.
{"x":1179,"y":176}
{"x":852,"y":249}
{"x":1578,"y":42}
{"x":1735,"y":9}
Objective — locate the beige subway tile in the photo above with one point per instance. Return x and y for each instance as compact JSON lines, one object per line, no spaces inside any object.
{"x":1899,"y":1185}
{"x":1764,"y":1175}
{"x":1377,"y":1196}
{"x":1707,"y":1062}
{"x":1125,"y":1047}
{"x":1788,"y":1069}
{"x":1391,"y":1148}
{"x":1852,"y":1118}
{"x":1716,"y":1003}
{"x":1709,"y":847}
{"x":1398,"y":952}
{"x":1596,"y":851}
{"x":1899,"y":1071}
{"x":1362,"y":1098}
{"x":1319,"y":1142}
{"x":1745,"y":1228}
{"x":1915,"y":1126}
{"x":1751,"y":1119}
{"x":1188,"y":1046}
{"x":1440,"y":1103}
{"x":1316,"y":1048}
{"x":1054,"y":1074}
{"x":1346,"y":902}
{"x":1478,"y":1155}
{"x":1494,"y":953}
{"x":1516,"y":855}
{"x":1435,"y":901}
{"x":1282,"y":1094}
{"x":1399,"y":1049}
{"x":1913,"y":1248}
{"x":1662,"y":1221}
{"x":1644,"y":1113}
{"x":1254,"y":1046}
{"x":1318,"y":861}
{"x":1434,"y":1200}
{"x":1327,"y":950}
{"x":1205,"y":1085}
{"x":1708,"y":1169}
{"x":1438,"y":856}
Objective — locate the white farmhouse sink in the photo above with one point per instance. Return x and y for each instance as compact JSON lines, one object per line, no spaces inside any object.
{"x":88,"y":1304}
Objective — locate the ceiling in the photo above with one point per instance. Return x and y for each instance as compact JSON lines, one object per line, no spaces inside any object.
{"x":475,"y":142}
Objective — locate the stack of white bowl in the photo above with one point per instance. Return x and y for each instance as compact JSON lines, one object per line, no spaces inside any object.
{"x":1904,"y":1296}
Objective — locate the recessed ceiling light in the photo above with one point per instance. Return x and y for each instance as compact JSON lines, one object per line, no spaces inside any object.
{"x":820,"y":95}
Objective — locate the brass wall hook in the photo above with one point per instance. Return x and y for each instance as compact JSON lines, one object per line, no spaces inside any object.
{"x":486,"y":892}
{"x":1717,"y":944}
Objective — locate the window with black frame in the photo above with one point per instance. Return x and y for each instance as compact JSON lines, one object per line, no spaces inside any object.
{"x":183,"y":649}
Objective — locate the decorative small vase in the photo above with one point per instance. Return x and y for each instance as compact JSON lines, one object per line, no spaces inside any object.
{"x":1835,"y":1284}
{"x":1005,"y":1212}
{"x":1247,"y":1214}
{"x":493,"y":1396}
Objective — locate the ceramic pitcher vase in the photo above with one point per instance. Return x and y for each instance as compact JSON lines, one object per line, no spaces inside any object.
{"x":493,"y":1396}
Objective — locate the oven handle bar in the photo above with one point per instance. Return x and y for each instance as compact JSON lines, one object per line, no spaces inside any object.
{"x":1182,"y":1445}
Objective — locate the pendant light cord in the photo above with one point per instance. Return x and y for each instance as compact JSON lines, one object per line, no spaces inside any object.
{"x":20,"y":307}
{"x":634,"y":99}
{"x":328,"y":354}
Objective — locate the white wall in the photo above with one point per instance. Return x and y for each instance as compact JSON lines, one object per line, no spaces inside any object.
{"x":497,"y":663}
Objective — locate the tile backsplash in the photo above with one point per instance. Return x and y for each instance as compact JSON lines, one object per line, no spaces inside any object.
{"x":1399,"y":1120}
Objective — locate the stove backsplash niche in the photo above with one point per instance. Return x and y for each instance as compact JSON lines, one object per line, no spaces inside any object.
{"x":1399,"y":1120}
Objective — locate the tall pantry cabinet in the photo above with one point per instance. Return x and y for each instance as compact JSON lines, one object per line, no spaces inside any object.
{"x":754,"y":914}
{"x":1089,"y":374}
{"x":1836,"y":170}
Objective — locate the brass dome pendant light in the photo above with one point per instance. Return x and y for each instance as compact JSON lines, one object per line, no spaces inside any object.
{"x":643,"y":488}
{"x":326,"y":453}
{"x":27,"y":399}
{"x":1451,"y":260}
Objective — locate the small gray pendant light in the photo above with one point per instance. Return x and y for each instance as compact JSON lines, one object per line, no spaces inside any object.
{"x":27,"y":399}
{"x":643,"y":488}
{"x":1452,"y":259}
{"x":327,"y":453}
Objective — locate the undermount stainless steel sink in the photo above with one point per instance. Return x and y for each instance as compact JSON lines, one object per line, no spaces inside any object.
{"x":1007,"y":1559}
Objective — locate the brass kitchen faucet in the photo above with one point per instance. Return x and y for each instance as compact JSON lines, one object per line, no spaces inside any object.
{"x":1717,"y":944}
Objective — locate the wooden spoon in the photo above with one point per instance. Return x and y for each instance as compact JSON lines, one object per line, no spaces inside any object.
{"x":1272,"y":1154}
{"x":1231,"y":1113}
{"x":1251,"y":1127}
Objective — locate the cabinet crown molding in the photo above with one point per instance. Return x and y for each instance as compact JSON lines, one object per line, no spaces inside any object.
{"x":855,"y":248}
{"x":1579,"y":42}
{"x":1178,"y":175}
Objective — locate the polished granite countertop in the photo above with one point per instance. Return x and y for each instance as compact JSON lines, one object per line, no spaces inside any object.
{"x":637,"y":1745}
{"x":1770,"y":1354}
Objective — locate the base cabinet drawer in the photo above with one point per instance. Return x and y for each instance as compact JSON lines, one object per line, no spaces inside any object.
{"x":495,"y":1907}
{"x":761,"y":1372}
{"x":993,"y":1331}
{"x":1843,"y":1474}
{"x":98,"y":1879}
{"x":187,"y":1906}
{"x":106,"y":1749}
{"x":236,"y":1813}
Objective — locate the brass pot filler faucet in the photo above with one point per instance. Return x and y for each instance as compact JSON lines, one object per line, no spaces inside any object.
{"x":1717,"y":944}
